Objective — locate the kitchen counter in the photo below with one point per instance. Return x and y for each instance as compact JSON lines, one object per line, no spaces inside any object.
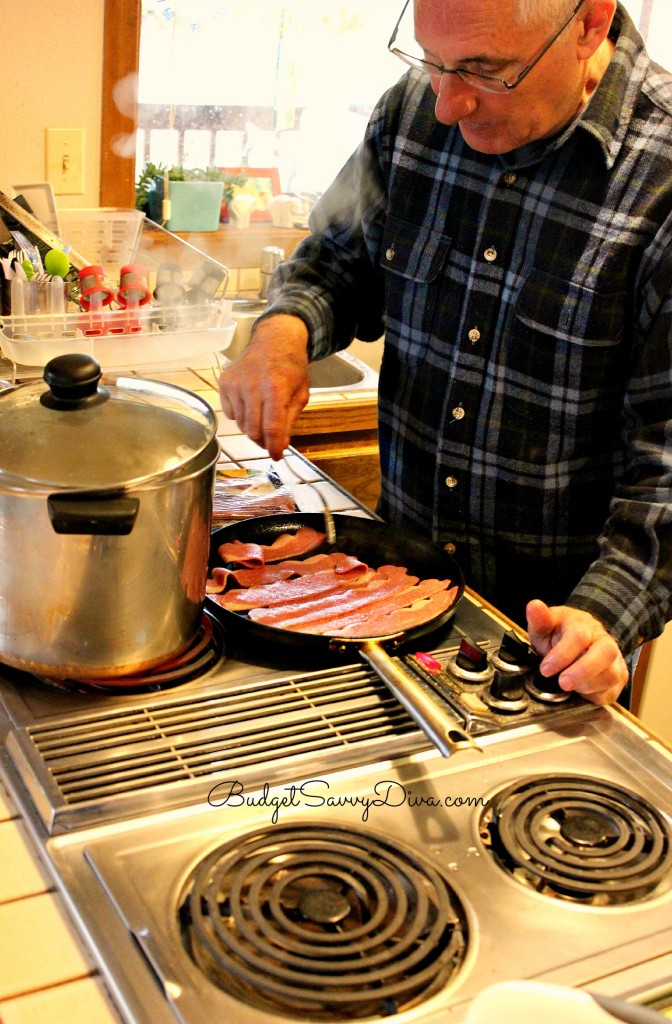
{"x":46,"y":974}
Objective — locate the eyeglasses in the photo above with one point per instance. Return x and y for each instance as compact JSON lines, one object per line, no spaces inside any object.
{"x":489,"y":83}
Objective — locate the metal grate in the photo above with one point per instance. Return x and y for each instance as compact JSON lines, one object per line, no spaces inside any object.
{"x":110,"y":763}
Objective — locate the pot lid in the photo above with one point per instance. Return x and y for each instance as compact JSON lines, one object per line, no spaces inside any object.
{"x":78,"y":430}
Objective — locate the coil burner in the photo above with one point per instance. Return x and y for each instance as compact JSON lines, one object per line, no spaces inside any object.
{"x":580,"y":839}
{"x":322,"y":923}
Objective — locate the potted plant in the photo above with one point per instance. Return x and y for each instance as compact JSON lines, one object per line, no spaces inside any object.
{"x":196,"y":195}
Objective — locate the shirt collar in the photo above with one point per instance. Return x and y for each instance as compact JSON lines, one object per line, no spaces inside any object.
{"x":608,"y":113}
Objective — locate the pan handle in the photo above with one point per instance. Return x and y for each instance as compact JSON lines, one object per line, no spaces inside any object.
{"x":438,"y":724}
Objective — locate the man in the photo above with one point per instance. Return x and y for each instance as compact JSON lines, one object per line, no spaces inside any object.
{"x":508,"y":221}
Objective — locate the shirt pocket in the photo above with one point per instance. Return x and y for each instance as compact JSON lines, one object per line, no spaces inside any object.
{"x":412,"y":258}
{"x":570,"y":312}
{"x":567,"y":367}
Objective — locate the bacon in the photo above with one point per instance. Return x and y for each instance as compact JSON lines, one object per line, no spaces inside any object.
{"x":347,"y":563}
{"x":384,"y":621}
{"x":291,"y":545}
{"x":316,"y":563}
{"x":329,"y":593}
{"x":284,"y":546}
{"x":216,"y":583}
{"x":307,"y":615}
{"x":249,"y":555}
{"x":351,"y":614}
{"x":287,"y":591}
{"x":346,"y":566}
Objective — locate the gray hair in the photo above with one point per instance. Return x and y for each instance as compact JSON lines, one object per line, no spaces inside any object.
{"x":548,"y":13}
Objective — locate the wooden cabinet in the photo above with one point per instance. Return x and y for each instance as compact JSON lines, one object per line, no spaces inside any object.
{"x":341,"y":439}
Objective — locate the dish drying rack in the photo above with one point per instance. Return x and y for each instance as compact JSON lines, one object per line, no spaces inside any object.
{"x":189,"y":330}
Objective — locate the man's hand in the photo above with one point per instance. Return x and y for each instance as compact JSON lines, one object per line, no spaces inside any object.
{"x":267,"y":386}
{"x":577,"y":648}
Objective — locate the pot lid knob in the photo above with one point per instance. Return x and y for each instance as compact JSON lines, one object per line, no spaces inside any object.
{"x":72,"y":379}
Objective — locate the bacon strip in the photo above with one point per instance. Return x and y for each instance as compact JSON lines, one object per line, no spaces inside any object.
{"x":284,"y":546}
{"x":345,"y":565}
{"x":427,"y":603}
{"x":398,"y":620}
{"x":331,"y":593}
{"x":288,"y":591}
{"x":307,"y":616}
{"x":250,"y":555}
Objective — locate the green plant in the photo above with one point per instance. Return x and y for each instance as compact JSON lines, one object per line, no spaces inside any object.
{"x":151,"y":172}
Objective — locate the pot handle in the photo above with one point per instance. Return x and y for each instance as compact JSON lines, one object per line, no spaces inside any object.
{"x":442,"y":728}
{"x":110,"y":515}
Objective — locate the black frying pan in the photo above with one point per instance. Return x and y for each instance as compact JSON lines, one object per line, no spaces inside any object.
{"x":377,"y":544}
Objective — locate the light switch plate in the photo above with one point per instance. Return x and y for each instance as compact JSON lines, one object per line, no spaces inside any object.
{"x":65,"y":160}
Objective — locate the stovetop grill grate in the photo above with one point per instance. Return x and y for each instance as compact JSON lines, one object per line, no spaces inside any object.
{"x":108,"y":762}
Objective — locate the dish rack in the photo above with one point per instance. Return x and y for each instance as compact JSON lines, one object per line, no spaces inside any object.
{"x":109,"y":236}
{"x":189,"y":331}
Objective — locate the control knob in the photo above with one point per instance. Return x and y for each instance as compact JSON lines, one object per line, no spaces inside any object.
{"x":470,"y":664}
{"x":512,"y":664}
{"x":546,"y":689}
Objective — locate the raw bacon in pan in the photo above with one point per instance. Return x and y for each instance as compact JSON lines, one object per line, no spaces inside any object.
{"x":287,"y":545}
{"x":299,"y":588}
{"x":216,"y":583}
{"x":387,"y":583}
{"x":353,"y":614}
{"x":264,"y":574}
{"x":399,"y":620}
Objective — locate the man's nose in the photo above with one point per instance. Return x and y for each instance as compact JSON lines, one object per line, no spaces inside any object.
{"x":455,"y":99}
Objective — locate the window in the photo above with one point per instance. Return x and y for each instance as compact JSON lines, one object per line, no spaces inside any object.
{"x":288,"y":84}
{"x":294,"y":79}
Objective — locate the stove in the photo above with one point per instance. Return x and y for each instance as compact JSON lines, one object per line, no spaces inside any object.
{"x":274,"y":839}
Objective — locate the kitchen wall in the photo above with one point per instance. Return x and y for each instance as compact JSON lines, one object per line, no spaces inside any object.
{"x":52,"y":69}
{"x":656,"y":704}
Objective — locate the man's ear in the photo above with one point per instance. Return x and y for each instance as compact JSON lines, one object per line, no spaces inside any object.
{"x":595,"y":18}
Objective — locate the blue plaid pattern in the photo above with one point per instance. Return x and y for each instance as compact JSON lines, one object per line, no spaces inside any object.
{"x":526,"y":388}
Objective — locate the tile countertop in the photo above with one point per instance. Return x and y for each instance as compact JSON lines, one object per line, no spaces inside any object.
{"x":46,"y":973}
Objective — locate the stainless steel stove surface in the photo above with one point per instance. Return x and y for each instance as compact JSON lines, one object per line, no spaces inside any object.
{"x":265,"y":844}
{"x":379,"y":891}
{"x":267,"y":714}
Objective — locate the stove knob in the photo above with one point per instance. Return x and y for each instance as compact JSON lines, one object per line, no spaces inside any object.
{"x":470,"y":664}
{"x":546,"y":689}
{"x":507,"y":691}
{"x":513,"y":652}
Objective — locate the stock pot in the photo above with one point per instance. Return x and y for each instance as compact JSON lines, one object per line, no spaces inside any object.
{"x":105,"y":514}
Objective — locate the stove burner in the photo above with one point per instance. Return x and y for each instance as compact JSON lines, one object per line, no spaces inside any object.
{"x":322,"y":923}
{"x":205,"y":650}
{"x":580,"y":839}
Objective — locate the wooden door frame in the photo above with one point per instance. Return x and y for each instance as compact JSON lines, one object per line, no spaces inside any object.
{"x":121,"y":52}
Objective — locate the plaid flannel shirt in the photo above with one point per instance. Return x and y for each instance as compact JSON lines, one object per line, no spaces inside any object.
{"x":525,"y":400}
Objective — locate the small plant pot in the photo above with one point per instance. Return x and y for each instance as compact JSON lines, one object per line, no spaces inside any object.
{"x":194,"y":205}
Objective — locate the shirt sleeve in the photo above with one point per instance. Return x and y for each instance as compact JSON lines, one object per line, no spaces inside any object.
{"x":629,"y":587}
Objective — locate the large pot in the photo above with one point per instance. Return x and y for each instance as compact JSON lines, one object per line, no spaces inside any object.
{"x":105,"y":514}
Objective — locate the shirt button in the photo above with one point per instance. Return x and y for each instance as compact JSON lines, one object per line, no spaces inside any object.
{"x":510,"y":178}
{"x":389,"y":255}
{"x":474,"y":335}
{"x":451,"y":481}
{"x":449,"y":548}
{"x":458,"y":412}
{"x":490,"y":255}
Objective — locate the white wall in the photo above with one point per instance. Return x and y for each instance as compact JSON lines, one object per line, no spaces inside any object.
{"x":52,"y":73}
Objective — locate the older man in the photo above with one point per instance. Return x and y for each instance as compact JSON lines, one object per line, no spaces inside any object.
{"x":508,"y":222}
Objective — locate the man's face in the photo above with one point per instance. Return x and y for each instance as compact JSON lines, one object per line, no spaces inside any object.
{"x":484,"y":36}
